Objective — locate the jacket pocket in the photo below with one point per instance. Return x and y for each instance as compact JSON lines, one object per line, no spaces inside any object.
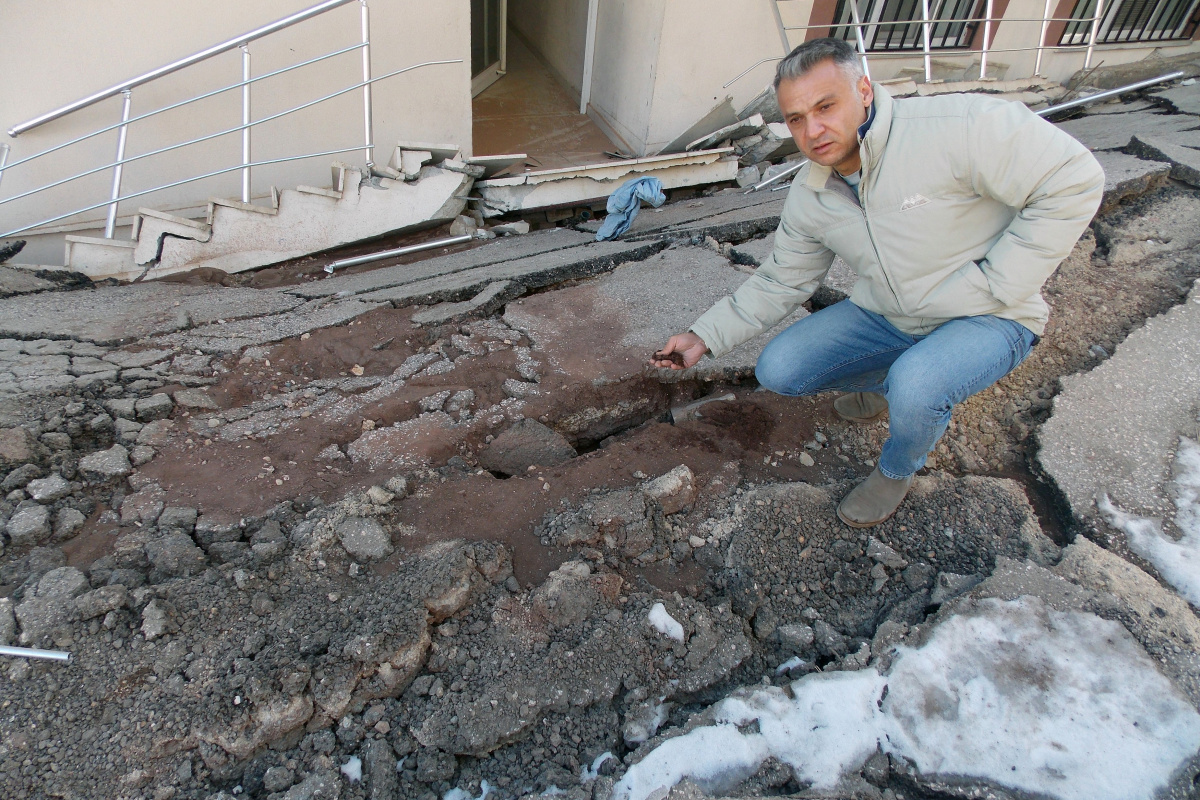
{"x":963,"y":293}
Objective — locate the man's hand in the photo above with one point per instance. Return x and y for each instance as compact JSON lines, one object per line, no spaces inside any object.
{"x":687,"y":346}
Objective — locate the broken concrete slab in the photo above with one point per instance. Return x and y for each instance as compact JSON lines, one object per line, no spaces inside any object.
{"x":572,"y":186}
{"x":526,"y":444}
{"x":20,"y":281}
{"x":491,"y":298}
{"x":689,"y":213}
{"x":1127,"y":177}
{"x":1182,"y":150}
{"x":637,"y":307}
{"x":493,"y":252}
{"x":229,"y":337}
{"x":1183,"y":99}
{"x":719,"y":116}
{"x":1093,"y":445}
{"x":115,"y":314}
{"x":308,"y":223}
{"x":735,"y":225}
{"x":737,"y":130}
{"x":1108,"y":132}
{"x":836,"y":286}
{"x":777,"y":142}
{"x":529,"y":273}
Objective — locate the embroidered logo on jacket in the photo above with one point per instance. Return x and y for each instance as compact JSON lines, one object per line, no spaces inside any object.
{"x":913,"y":202}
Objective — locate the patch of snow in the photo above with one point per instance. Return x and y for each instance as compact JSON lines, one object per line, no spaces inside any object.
{"x":591,"y":773}
{"x":646,"y":723}
{"x":552,"y":791}
{"x":791,"y":663}
{"x":485,"y":789}
{"x":1063,"y":704}
{"x":1177,"y":561}
{"x":400,"y":764}
{"x":352,"y":769}
{"x":664,"y":623}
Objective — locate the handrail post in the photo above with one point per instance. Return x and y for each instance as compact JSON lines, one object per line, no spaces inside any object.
{"x":1037,"y":66}
{"x":111,"y":223}
{"x":1087,"y":60}
{"x":862,"y":45}
{"x":987,"y":40}
{"x":368,"y":133}
{"x":246,"y":123}
{"x":925,"y":39}
{"x":4,"y":148}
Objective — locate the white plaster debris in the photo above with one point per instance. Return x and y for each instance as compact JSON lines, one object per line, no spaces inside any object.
{"x":790,"y":664}
{"x":1177,"y":561}
{"x":352,"y":769}
{"x":664,"y":623}
{"x":485,"y":789}
{"x":587,"y":773}
{"x":1012,"y":692}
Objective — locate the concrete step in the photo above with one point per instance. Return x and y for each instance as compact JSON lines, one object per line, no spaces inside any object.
{"x":101,"y":258}
{"x":151,"y":226}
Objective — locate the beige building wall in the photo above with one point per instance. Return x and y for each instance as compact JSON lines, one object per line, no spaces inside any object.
{"x":68,"y":49}
{"x":557,"y":31}
{"x":623,"y":69}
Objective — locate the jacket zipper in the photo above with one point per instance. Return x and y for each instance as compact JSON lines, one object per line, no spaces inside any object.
{"x":862,"y":201}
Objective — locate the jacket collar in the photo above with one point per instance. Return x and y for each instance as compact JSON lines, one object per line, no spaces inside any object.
{"x":878,"y":126}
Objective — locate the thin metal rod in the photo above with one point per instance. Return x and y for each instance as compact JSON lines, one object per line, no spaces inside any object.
{"x":774,"y":178}
{"x":1037,"y":64}
{"x":783,"y":37}
{"x":245,"y":124}
{"x":925,"y":40}
{"x":190,"y":100}
{"x":750,"y":68}
{"x":225,"y":132}
{"x":987,"y":40}
{"x":174,"y":66}
{"x":503,"y":37}
{"x":4,"y":149}
{"x":1092,"y":98}
{"x":368,"y":127}
{"x":212,"y":174}
{"x":862,"y":46}
{"x":399,"y":251}
{"x":937,"y":21}
{"x":110,"y":224}
{"x":31,"y":652}
{"x":1087,"y":60}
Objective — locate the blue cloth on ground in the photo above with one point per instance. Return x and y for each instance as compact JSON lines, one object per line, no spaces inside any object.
{"x":623,"y":205}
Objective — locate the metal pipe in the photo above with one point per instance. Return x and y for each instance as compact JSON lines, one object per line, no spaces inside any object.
{"x":862,"y":46}
{"x":368,"y":128}
{"x":118,"y":167}
{"x":400,"y":251}
{"x":783,"y":37}
{"x":226,"y":131}
{"x":172,"y":185}
{"x":1037,"y":64}
{"x":4,"y":149}
{"x":245,"y":124}
{"x":1092,"y":98}
{"x":1087,"y":60}
{"x":30,"y":652}
{"x":190,"y":100}
{"x":774,"y":178}
{"x":174,"y":66}
{"x":925,"y":40}
{"x":987,"y":40}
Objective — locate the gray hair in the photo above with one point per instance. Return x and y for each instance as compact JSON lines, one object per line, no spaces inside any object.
{"x":808,"y":55}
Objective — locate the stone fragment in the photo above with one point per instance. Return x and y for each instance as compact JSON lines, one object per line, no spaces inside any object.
{"x":278,"y":779}
{"x":794,"y":637}
{"x":523,"y":445}
{"x":106,"y":465}
{"x":127,"y":430}
{"x":519,"y":389}
{"x":99,"y":602}
{"x":123,"y":408}
{"x":29,"y":526}
{"x":748,"y":176}
{"x":20,"y":476}
{"x":195,"y":398}
{"x":379,"y":496}
{"x":364,"y":539}
{"x":158,"y":619}
{"x":67,"y":523}
{"x":57,"y":441}
{"x":19,"y":447}
{"x":141,"y":454}
{"x":948,"y":585}
{"x":571,"y":592}
{"x":62,"y":582}
{"x":177,"y":518}
{"x":379,"y":761}
{"x":674,"y":491}
{"x":156,"y":406}
{"x":884,"y":554}
{"x":143,"y":506}
{"x":398,"y":486}
{"x":155,"y":433}
{"x":49,"y":489}
{"x":434,"y":402}
{"x":8,"y":622}
{"x":176,"y":554}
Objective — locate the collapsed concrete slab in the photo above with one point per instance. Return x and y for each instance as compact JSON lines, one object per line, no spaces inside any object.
{"x":1181,"y":150}
{"x":572,"y":186}
{"x":1126,"y":177}
{"x":693,"y":214}
{"x":1108,"y":132}
{"x":231,"y":336}
{"x":1096,"y":443}
{"x":609,"y":328}
{"x":1183,"y":99}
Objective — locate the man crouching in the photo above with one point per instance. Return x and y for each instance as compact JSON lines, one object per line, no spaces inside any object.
{"x":953,"y":210}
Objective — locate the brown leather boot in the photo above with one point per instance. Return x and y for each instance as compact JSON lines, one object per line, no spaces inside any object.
{"x":860,"y":406}
{"x":873,"y":501}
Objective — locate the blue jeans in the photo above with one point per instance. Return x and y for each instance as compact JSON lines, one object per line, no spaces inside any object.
{"x":847,"y":348}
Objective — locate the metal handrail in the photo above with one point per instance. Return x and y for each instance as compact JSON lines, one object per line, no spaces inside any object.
{"x":181,"y":103}
{"x":175,"y":66}
{"x":122,"y":161}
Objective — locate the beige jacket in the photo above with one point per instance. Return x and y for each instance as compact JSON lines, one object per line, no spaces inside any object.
{"x":969,"y":204}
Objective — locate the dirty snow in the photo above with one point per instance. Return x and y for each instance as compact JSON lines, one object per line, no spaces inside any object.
{"x":664,"y":623}
{"x":587,"y":773}
{"x":352,"y":769}
{"x":1014,"y":693}
{"x":462,"y":794}
{"x":1177,"y":561}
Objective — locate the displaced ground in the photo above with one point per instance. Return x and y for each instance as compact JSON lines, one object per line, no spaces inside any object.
{"x":439,"y":523}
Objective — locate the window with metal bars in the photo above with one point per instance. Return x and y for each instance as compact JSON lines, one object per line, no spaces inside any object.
{"x":1132,"y":21}
{"x":899,"y":23}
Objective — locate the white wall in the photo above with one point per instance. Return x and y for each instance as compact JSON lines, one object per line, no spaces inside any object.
{"x":623,"y":70}
{"x":67,"y":49}
{"x":556,"y":30}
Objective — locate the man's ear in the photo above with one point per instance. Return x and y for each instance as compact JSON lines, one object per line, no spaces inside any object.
{"x":866,"y":91}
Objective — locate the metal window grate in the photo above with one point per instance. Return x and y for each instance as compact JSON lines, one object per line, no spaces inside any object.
{"x":1133,"y":21}
{"x":896,"y":24}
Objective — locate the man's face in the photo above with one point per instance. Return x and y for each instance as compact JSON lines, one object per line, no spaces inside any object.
{"x":823,"y":109}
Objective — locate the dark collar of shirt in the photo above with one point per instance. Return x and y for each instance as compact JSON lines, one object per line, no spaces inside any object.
{"x":866,"y":126}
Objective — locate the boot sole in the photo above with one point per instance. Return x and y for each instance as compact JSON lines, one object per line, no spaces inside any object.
{"x":854,"y":524}
{"x":860,"y":419}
